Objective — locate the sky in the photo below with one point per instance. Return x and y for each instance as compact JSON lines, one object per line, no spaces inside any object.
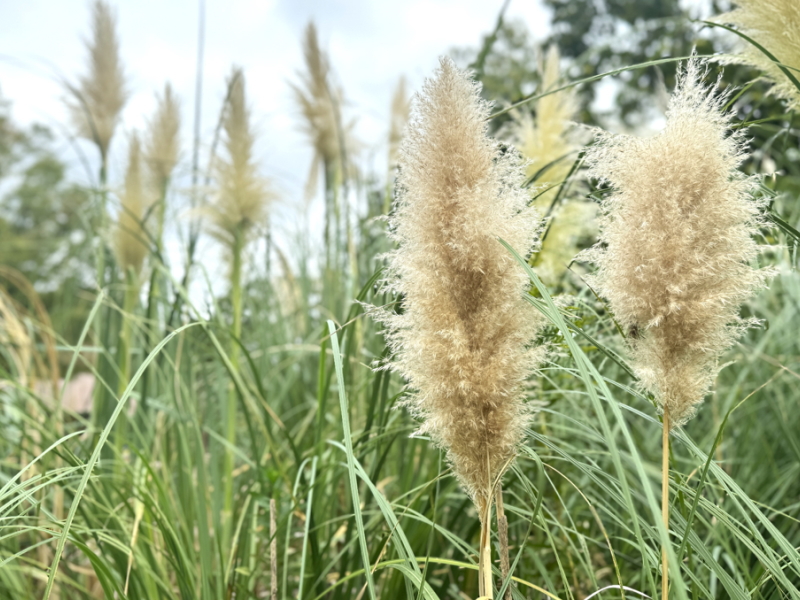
{"x":371,"y":44}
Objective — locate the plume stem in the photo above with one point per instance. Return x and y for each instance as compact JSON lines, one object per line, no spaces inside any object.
{"x":236,"y":307}
{"x":273,"y":550}
{"x":502,"y":535}
{"x":665,"y":503}
{"x":485,"y":586}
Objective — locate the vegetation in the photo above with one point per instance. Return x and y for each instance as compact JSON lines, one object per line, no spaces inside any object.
{"x":256,"y":448}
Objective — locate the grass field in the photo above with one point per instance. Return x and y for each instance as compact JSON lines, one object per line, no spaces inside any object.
{"x":251,"y":449}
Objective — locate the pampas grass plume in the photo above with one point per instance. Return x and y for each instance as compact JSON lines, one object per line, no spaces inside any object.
{"x":462,"y":339}
{"x":243,"y":196}
{"x":130,"y":239}
{"x":162,"y":148}
{"x":551,"y":138}
{"x":548,"y":137}
{"x":401,"y":105}
{"x":775,"y":25}
{"x":677,"y":242}
{"x":101,"y":93}
{"x":320,"y":103}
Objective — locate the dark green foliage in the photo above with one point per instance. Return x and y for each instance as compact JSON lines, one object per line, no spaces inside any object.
{"x":43,"y":223}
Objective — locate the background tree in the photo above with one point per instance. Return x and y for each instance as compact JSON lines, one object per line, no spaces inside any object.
{"x":42,"y":222}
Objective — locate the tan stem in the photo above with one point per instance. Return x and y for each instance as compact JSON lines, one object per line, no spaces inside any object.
{"x":273,"y":550}
{"x":665,"y":503}
{"x":485,"y":585}
{"x":502,"y":534}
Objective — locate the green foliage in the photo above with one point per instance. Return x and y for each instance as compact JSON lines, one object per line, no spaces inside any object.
{"x":42,"y":222}
{"x":134,"y":505}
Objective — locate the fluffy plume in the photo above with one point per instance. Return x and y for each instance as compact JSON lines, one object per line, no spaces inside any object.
{"x":676,"y":243}
{"x":243,"y":197}
{"x":101,"y":93}
{"x":17,"y":344}
{"x":462,"y":338}
{"x":399,"y":117}
{"x":130,"y":239}
{"x":162,"y":149}
{"x":550,"y":138}
{"x":320,"y":105}
{"x":775,"y":24}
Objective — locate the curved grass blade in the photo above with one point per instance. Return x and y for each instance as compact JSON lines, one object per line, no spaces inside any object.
{"x":62,"y":540}
{"x":348,"y":442}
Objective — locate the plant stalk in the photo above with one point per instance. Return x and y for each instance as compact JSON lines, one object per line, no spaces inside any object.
{"x":665,"y":503}
{"x":502,"y":535}
{"x":485,"y":585}
{"x":230,"y":437}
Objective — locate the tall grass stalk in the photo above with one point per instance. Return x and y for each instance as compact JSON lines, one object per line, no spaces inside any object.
{"x":677,"y":289}
{"x":363,"y":509}
{"x":240,"y":208}
{"x":464,"y":337}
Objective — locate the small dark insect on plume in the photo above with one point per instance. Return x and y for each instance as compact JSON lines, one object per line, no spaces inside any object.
{"x":675,"y":252}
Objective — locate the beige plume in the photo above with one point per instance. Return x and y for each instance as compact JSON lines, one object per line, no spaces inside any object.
{"x":130,"y":240}
{"x":243,"y":195}
{"x":101,"y":93}
{"x":677,"y":242}
{"x":549,"y":139}
{"x":401,"y":105}
{"x":462,"y":340}
{"x":321,"y":108}
{"x":775,"y":25}
{"x":162,"y":148}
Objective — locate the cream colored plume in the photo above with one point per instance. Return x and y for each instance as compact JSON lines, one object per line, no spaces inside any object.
{"x":17,"y":344}
{"x":548,"y":137}
{"x":677,"y":242}
{"x":162,"y":148}
{"x":775,"y":25}
{"x":321,"y":108}
{"x":101,"y":94}
{"x":401,"y":106}
{"x":130,"y":239}
{"x":162,"y":151}
{"x":463,"y":338}
{"x":243,"y":196}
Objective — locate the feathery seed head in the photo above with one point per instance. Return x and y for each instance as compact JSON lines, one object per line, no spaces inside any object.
{"x":676,"y":243}
{"x":162,"y":149}
{"x":550,"y":138}
{"x":399,"y":117}
{"x":775,"y":25}
{"x":101,"y":93}
{"x":130,"y":239}
{"x":463,"y":338}
{"x":243,"y":196}
{"x":320,"y":106}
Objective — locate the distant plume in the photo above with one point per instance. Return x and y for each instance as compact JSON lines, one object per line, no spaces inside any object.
{"x":162,"y":149}
{"x":321,"y":107}
{"x":243,"y":195}
{"x":101,"y":94}
{"x":549,"y":139}
{"x":463,"y":337}
{"x":130,"y":240}
{"x":677,"y":242}
{"x":775,"y":25}
{"x":401,"y":106}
